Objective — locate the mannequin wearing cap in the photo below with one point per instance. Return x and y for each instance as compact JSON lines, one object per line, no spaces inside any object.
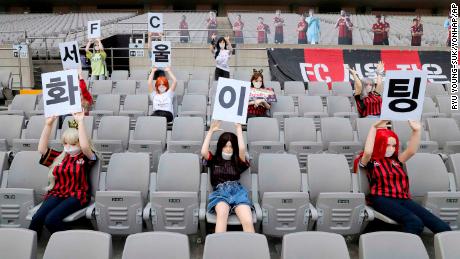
{"x":388,"y":182}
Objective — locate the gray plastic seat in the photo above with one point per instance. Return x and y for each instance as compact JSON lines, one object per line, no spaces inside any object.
{"x":275,"y":85}
{"x":73,"y":244}
{"x":99,"y":87}
{"x":283,"y":108}
{"x":342,"y":89}
{"x":175,"y":195}
{"x":187,"y":135}
{"x":143,"y":87}
{"x":4,"y":164}
{"x":106,"y":105}
{"x":430,"y":185}
{"x":318,"y":89}
{"x":446,"y":132}
{"x":446,"y":245}
{"x":312,"y":107}
{"x":180,"y":90}
{"x":443,"y":102}
{"x":124,"y":87}
{"x":23,"y":186}
{"x":430,"y":110}
{"x":194,"y":106}
{"x":111,"y":137}
{"x":338,"y":137}
{"x":294,"y":88}
{"x":339,"y":106}
{"x":263,"y":137}
{"x":249,"y":246}
{"x":198,"y":87}
{"x":156,"y":245}
{"x":134,"y":107}
{"x":138,"y":74}
{"x":39,"y":108}
{"x":182,"y":74}
{"x":119,"y":75}
{"x":199,"y":74}
{"x":341,"y":208}
{"x":149,"y":136}
{"x":18,"y":243}
{"x":301,"y":138}
{"x":403,"y":130}
{"x":313,"y":245}
{"x":275,"y":188}
{"x":22,"y":104}
{"x":31,"y":135}
{"x":119,"y":203}
{"x":10,"y":128}
{"x":363,"y":125}
{"x":453,"y":166}
{"x":398,"y":245}
{"x":435,"y":89}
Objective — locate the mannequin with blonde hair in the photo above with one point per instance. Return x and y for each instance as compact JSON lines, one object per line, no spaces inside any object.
{"x":69,"y":188}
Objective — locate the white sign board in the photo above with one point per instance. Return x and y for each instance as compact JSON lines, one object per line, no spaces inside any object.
{"x":403,"y":95}
{"x":94,"y":29}
{"x":161,"y":53}
{"x":70,"y":55}
{"x":231,"y":100}
{"x":155,"y":22}
{"x":61,"y":92}
{"x":20,"y":51}
{"x":136,"y":50}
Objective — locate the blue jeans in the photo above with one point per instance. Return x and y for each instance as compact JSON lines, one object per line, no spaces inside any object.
{"x":409,"y":214}
{"x":230,"y":192}
{"x":52,"y":213}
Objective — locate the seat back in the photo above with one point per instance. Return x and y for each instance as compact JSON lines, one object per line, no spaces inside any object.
{"x":342,"y":89}
{"x":446,"y":244}
{"x":250,"y":246}
{"x":108,"y":102}
{"x":24,"y":102}
{"x":311,"y":245}
{"x":101,"y":87}
{"x":138,"y":74}
{"x":111,"y":137}
{"x":31,"y":135}
{"x":18,"y":243}
{"x":336,"y":130}
{"x":435,"y":89}
{"x":453,"y":165}
{"x":310,"y":104}
{"x":125,"y":87}
{"x":294,"y":88}
{"x":136,"y":103}
{"x":198,"y":87}
{"x":318,"y":88}
{"x":363,"y":125}
{"x":336,"y":104}
{"x":119,"y":75}
{"x":283,"y":108}
{"x":194,"y":105}
{"x":156,"y":244}
{"x":443,"y":130}
{"x":187,"y":135}
{"x":10,"y":128}
{"x":73,"y":244}
{"x":403,"y":245}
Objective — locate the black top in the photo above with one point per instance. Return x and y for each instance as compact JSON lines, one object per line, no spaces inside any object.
{"x":223,"y":171}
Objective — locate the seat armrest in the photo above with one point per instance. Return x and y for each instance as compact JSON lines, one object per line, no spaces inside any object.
{"x":76,"y":215}
{"x":102,"y":179}
{"x":32,"y":211}
{"x":203,"y":194}
{"x":153,"y":182}
{"x":147,"y":211}
{"x":313,"y":212}
{"x":4,"y":178}
{"x":384,"y":218}
{"x":90,"y":211}
{"x":369,"y":213}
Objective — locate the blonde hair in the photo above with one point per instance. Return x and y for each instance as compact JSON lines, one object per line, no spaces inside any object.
{"x":364,"y":82}
{"x":69,"y":136}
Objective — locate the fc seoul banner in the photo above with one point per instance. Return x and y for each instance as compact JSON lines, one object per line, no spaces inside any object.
{"x":332,"y":64}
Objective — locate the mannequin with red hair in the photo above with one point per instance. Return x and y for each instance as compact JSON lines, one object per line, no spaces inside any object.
{"x":162,"y":94}
{"x":388,"y":182}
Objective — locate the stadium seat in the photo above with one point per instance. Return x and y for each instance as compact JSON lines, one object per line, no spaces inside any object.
{"x":123,"y":194}
{"x":99,"y":87}
{"x":342,"y":89}
{"x":134,"y":107}
{"x":73,"y":244}
{"x":363,"y":125}
{"x":23,"y":186}
{"x":339,"y":106}
{"x":119,"y":75}
{"x":283,"y":108}
{"x":180,"y":90}
{"x":124,"y":87}
{"x":312,"y":107}
{"x":156,"y":245}
{"x":143,"y":87}
{"x":187,"y":135}
{"x":263,"y":137}
{"x":31,"y":135}
{"x":39,"y":108}
{"x":318,"y":89}
{"x":175,"y":195}
{"x":182,"y":74}
{"x":312,"y":245}
{"x":198,"y":87}
{"x":301,"y":138}
{"x":434,"y":89}
{"x":430,"y":110}
{"x":275,"y":189}
{"x":106,"y":105}
{"x":18,"y":243}
{"x":446,"y":132}
{"x":111,"y":137}
{"x":444,"y":106}
{"x":199,"y":74}
{"x":446,"y":245}
{"x":403,"y":130}
{"x":194,"y":106}
{"x":22,"y":104}
{"x":294,"y":88}
{"x":243,"y":74}
{"x":89,"y":126}
{"x":4,"y":164}
{"x":149,"y":136}
{"x":430,"y":185}
{"x":398,"y":245}
{"x":341,"y":207}
{"x":339,"y":138}
{"x":275,"y":85}
{"x":453,"y":166}
{"x":249,"y":246}
{"x":138,"y":74}
{"x":10,"y":128}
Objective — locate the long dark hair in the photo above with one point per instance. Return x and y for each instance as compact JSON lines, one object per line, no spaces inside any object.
{"x":223,"y":139}
{"x":218,"y":47}
{"x":256,"y":74}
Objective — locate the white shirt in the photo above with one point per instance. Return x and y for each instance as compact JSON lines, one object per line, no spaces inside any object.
{"x":163,"y":102}
{"x":222,"y":59}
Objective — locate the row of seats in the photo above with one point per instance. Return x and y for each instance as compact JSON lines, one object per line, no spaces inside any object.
{"x":21,"y":243}
{"x":129,"y":197}
{"x":300,"y":136}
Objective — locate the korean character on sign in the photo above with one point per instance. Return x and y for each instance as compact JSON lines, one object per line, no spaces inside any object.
{"x":161,"y":53}
{"x":57,"y":91}
{"x":406,"y":100}
{"x":69,"y":55}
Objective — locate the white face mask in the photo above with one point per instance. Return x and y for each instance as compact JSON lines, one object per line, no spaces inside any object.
{"x":257,"y":84}
{"x":161,"y":89}
{"x":226,"y":156}
{"x":389,"y":153}
{"x":72,"y":150}
{"x":222,"y":45}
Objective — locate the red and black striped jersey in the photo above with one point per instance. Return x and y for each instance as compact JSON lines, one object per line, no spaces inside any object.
{"x":371,"y":105}
{"x":71,"y":175}
{"x":387,"y":178}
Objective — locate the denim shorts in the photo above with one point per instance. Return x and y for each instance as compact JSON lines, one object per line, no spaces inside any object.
{"x":230,"y":192}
